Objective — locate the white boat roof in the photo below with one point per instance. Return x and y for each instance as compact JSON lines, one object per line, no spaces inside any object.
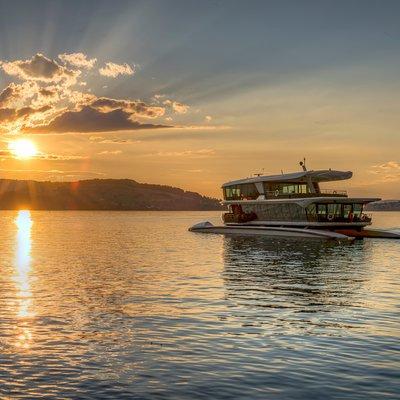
{"x":323,"y":175}
{"x":308,"y":200}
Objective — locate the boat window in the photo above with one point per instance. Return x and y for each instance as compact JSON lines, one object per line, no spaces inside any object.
{"x":246,"y":191}
{"x":346,"y":210}
{"x":321,"y":209}
{"x":303,"y":189}
{"x":276,"y":211}
{"x":285,"y":189}
{"x":311,"y":209}
{"x":357,"y":209}
{"x":335,"y":210}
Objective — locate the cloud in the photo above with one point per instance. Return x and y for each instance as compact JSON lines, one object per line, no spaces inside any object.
{"x":12,"y":114}
{"x":16,"y":94}
{"x":187,"y":153}
{"x":157,"y":97}
{"x":60,"y":157}
{"x":55,"y":172}
{"x":48,"y":92}
{"x":388,"y":172}
{"x":110,"y":152}
{"x":79,"y":60}
{"x":51,"y":99}
{"x":390,"y":165}
{"x":7,"y":95}
{"x":114,"y":140}
{"x":179,"y":108}
{"x":78,"y":98}
{"x":43,"y":156}
{"x":203,"y":127}
{"x":137,"y":107}
{"x":89,"y":119}
{"x":40,"y":68}
{"x":112,"y":70}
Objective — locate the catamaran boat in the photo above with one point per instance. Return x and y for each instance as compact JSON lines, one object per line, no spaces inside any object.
{"x":294,"y":205}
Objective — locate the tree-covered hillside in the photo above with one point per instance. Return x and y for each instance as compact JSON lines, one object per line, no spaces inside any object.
{"x":99,"y":194}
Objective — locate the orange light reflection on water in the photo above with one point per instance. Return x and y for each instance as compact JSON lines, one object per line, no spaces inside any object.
{"x":22,"y":271}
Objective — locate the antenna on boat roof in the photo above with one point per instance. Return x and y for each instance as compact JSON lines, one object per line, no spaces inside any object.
{"x":303,"y":164}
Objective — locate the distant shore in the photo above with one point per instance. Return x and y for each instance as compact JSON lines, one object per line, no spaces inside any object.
{"x":384,"y":205}
{"x":101,"y":194}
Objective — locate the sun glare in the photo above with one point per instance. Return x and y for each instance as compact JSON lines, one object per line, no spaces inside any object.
{"x":22,"y":148}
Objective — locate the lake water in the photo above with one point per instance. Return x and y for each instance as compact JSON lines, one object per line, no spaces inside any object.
{"x":132,"y":305}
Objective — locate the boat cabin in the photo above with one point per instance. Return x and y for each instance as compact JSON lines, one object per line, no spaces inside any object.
{"x":295,"y":185}
{"x":293,"y":199}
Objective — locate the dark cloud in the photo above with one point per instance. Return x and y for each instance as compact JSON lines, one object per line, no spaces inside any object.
{"x":48,"y":92}
{"x":137,"y":107}
{"x":17,"y":93}
{"x":39,"y":68}
{"x":89,"y":119}
{"x":12,"y":114}
{"x":6,"y":114}
{"x":6,"y":95}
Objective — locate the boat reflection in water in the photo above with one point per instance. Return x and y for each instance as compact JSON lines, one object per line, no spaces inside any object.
{"x":294,"y":286}
{"x":22,"y":271}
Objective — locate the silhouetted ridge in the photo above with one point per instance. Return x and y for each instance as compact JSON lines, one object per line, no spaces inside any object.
{"x":99,"y":194}
{"x":384,"y":205}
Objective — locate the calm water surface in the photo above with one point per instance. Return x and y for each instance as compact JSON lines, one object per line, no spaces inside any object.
{"x":131,"y":305}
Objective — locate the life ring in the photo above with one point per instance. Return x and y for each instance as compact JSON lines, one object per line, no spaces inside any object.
{"x":334,"y":192}
{"x":276,"y":192}
{"x":364,"y":218}
{"x":330,"y":217}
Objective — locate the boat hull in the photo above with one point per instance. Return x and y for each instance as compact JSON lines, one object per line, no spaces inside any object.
{"x":371,"y":233}
{"x":207,"y":227}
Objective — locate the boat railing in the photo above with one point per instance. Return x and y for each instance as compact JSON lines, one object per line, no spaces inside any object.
{"x":334,"y":192}
{"x":365,"y":218}
{"x":321,"y":193}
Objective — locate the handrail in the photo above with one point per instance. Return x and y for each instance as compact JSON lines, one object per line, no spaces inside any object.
{"x":278,"y":194}
{"x":333,"y":191}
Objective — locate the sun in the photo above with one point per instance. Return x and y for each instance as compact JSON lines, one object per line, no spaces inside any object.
{"x":23,"y":148}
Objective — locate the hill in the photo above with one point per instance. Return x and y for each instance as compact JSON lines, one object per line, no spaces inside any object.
{"x":99,"y":194}
{"x":384,"y":205}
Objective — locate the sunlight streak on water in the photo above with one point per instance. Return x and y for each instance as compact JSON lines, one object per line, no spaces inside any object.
{"x":22,"y":269}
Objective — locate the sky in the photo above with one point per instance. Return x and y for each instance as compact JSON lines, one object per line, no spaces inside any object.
{"x":196,"y":93}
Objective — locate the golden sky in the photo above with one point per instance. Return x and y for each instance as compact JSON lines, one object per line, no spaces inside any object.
{"x":193,"y":96}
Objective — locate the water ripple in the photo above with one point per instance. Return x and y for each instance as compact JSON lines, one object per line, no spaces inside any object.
{"x":109,"y":305}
